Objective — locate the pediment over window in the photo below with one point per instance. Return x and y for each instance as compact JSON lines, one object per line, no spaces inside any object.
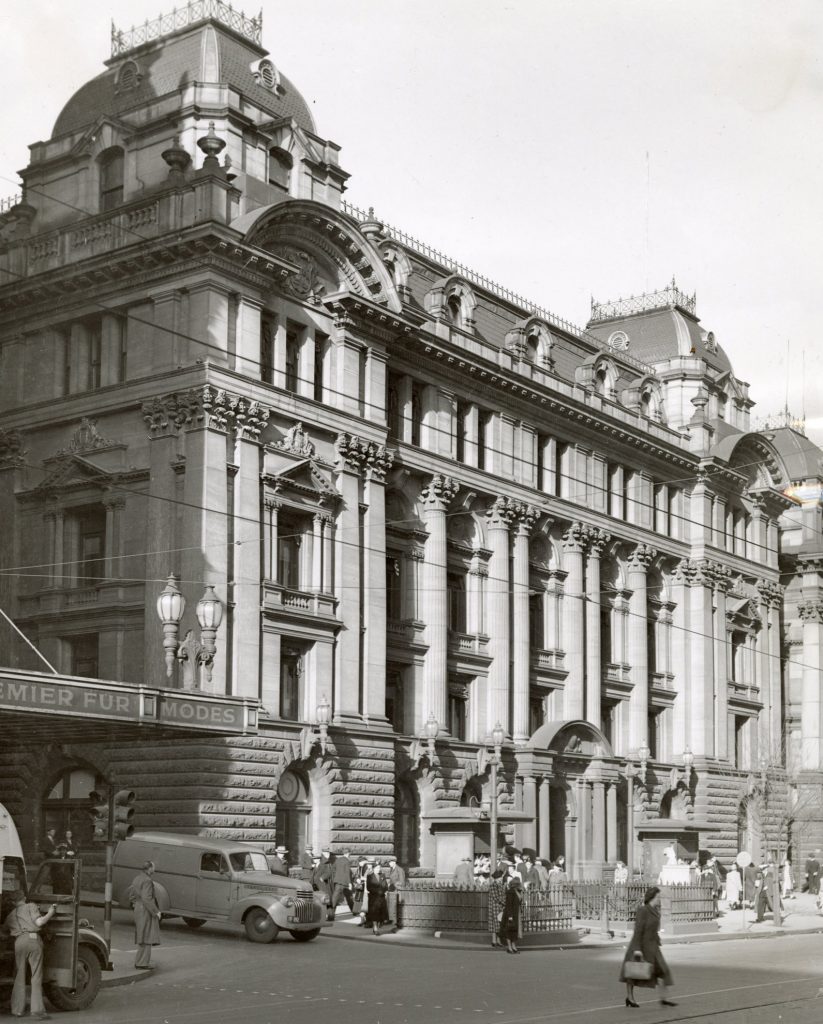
{"x":298,"y":477}
{"x":576,"y":738}
{"x":71,"y":473}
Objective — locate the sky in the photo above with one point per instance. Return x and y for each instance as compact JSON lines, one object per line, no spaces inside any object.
{"x":565,"y":148}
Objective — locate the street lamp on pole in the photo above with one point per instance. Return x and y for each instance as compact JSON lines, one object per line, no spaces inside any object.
{"x":170,"y":607}
{"x":498,"y":735}
{"x":631,"y":772}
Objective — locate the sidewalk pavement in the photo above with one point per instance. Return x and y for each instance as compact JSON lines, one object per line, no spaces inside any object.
{"x":800,"y":915}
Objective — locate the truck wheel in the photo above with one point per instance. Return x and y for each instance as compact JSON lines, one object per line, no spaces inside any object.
{"x":259,"y":926}
{"x":88,"y":984}
{"x":305,"y":936}
{"x":194,"y":922}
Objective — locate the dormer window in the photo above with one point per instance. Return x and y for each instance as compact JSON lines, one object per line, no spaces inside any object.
{"x":454,"y":311}
{"x":266,"y":75}
{"x":128,"y":76}
{"x":280,"y":165}
{"x":111,"y":165}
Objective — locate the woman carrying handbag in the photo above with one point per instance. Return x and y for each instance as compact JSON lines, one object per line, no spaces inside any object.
{"x":643,"y":963}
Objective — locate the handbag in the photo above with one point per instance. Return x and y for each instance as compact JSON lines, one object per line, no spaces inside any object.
{"x":638,"y":969}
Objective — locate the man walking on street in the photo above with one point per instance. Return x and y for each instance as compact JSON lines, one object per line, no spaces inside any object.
{"x":341,"y":883}
{"x":24,"y":924}
{"x":146,"y":916}
{"x":813,"y":873}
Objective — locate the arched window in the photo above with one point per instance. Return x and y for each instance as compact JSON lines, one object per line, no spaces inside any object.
{"x":66,"y":806}
{"x":454,"y":310}
{"x":111,"y":178}
{"x":406,"y":817}
{"x":293,"y":813}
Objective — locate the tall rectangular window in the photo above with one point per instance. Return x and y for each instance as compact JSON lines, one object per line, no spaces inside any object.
{"x":394,"y":588}
{"x":416,"y":414}
{"x":740,"y":741}
{"x":292,"y":358}
{"x":91,"y":545}
{"x":484,"y":432}
{"x":84,"y":655}
{"x":290,"y":687}
{"x":395,"y":699}
{"x":457,"y":712}
{"x":94,"y":331}
{"x":121,"y":326}
{"x":460,"y":431}
{"x":267,"y":331}
{"x":456,"y":585}
{"x":321,"y":350}
{"x":288,"y":554}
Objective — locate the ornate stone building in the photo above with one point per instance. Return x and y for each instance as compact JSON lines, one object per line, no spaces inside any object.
{"x":424,"y":501}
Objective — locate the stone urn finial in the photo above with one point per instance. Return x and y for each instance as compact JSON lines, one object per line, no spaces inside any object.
{"x":212,"y":145}
{"x":177,"y":158}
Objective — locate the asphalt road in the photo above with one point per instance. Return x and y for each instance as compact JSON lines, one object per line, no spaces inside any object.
{"x":215,"y":976}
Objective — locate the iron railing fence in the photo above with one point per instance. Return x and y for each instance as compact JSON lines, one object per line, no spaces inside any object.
{"x":123,"y":40}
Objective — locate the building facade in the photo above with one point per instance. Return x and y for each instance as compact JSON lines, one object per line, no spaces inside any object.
{"x":427,"y":504}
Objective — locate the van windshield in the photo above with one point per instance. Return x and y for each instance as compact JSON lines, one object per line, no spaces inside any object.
{"x":248,"y":862}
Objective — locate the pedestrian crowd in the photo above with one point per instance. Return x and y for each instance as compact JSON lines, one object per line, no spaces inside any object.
{"x":367,"y":885}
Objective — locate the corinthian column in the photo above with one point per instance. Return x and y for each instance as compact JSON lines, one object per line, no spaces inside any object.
{"x":500,"y":517}
{"x":639,"y":562}
{"x":435,"y":498}
{"x":598,"y":539}
{"x":573,"y":619}
{"x":378,"y":463}
{"x":525,"y":517}
{"x":811,"y":722}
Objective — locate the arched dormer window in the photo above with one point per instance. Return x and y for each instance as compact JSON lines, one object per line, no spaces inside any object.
{"x":651,"y":404}
{"x":454,"y":311}
{"x":111,"y":169}
{"x":604,"y":378}
{"x":452,"y":299}
{"x":280,"y":165}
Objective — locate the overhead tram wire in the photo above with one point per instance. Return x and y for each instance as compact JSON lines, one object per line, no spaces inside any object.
{"x":223,"y":353}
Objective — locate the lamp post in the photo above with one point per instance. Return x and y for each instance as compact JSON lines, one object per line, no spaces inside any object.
{"x":209,"y":614}
{"x":323,"y":719}
{"x":631,"y":772}
{"x":432,"y":728}
{"x":688,"y":764}
{"x":170,"y":607}
{"x":643,"y":755}
{"x":498,"y":735}
{"x":764,"y":785}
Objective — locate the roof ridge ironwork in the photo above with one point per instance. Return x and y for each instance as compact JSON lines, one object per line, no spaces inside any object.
{"x":123,"y":41}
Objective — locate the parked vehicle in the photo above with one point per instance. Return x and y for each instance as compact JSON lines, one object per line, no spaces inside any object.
{"x":203,"y":879}
{"x":74,"y":953}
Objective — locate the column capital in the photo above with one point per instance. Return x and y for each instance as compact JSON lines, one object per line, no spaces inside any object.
{"x":597,"y":541}
{"x":12,"y":453}
{"x":250,"y":418}
{"x":575,"y":538}
{"x":641,"y":558}
{"x":526,"y":516}
{"x":110,"y":500}
{"x":361,"y":455}
{"x":811,"y":611}
{"x":771,"y":593}
{"x":438,"y":492}
{"x":502,"y":512}
{"x":378,"y":463}
{"x":203,"y":407}
{"x":272,"y":504}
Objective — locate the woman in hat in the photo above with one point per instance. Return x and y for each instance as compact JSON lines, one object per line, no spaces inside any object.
{"x":646,"y":942}
{"x":377,"y":887}
{"x":510,"y":927}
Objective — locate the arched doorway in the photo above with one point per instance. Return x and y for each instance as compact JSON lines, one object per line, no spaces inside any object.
{"x":66,"y":805}
{"x":293,"y":813}
{"x":406,"y":824}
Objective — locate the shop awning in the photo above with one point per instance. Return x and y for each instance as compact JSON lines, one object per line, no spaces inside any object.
{"x":37,"y":706}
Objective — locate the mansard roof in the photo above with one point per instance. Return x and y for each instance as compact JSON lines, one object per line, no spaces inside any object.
{"x":172,"y":63}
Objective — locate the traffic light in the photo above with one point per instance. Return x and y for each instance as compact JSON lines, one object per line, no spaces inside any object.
{"x":123,"y":813}
{"x":99,"y":816}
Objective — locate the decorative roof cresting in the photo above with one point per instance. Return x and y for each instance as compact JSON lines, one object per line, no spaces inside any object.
{"x":666,"y":298}
{"x":125,"y":40}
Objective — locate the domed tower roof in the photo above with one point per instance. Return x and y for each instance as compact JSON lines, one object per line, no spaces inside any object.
{"x":163,"y":57}
{"x":657,"y":326}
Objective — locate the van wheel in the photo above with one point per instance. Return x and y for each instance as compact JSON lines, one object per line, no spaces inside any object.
{"x":194,"y":922}
{"x":259,"y":926}
{"x":305,"y":936}
{"x":88,"y":984}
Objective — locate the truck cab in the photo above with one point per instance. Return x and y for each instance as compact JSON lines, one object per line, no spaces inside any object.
{"x":74,"y":954}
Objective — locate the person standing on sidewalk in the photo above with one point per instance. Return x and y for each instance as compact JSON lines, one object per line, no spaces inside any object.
{"x":511,"y":927}
{"x":341,"y":883}
{"x":24,"y":924}
{"x":377,"y":887}
{"x":813,"y":873}
{"x":146,"y":916}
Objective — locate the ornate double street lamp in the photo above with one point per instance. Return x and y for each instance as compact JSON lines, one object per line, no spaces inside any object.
{"x":498,"y":735}
{"x":309,"y":737}
{"x":194,"y":655}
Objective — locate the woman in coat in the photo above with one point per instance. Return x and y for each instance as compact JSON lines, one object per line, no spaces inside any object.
{"x":646,"y":941}
{"x":146,"y":915}
{"x":497,"y":900}
{"x":377,"y":887}
{"x":510,"y":926}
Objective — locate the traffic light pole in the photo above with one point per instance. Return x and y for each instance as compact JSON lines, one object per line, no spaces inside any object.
{"x":107,"y":898}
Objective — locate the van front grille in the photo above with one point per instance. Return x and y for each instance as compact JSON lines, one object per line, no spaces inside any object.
{"x":304,"y":911}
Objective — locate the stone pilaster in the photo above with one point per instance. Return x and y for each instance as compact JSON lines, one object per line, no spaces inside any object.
{"x":680,"y":654}
{"x":638,"y":565}
{"x":574,"y":541}
{"x":500,"y":517}
{"x":721,"y":577}
{"x":701,"y":657}
{"x":525,"y":517}
{"x":435,"y":497}
{"x":811,"y":616}
{"x":378,"y":463}
{"x":597,"y":541}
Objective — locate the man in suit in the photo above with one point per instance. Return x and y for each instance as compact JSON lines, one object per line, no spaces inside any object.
{"x":813,"y":873}
{"x":278,"y":863}
{"x":306,"y":864}
{"x":395,"y":876}
{"x":341,"y":882}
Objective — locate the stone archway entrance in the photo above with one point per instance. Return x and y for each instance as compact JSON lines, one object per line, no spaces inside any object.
{"x":293,"y":814}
